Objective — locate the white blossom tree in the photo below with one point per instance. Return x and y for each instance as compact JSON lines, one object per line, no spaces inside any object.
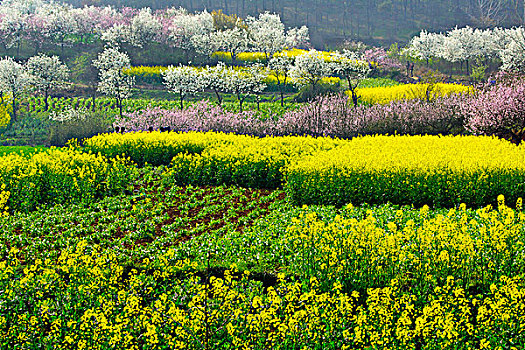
{"x":279,"y":67}
{"x":351,"y":67}
{"x":233,"y":41}
{"x":116,"y":35}
{"x":216,"y":79}
{"x":113,"y":81}
{"x":512,"y":50}
{"x":424,"y":46}
{"x":463,"y":44}
{"x":13,"y":27}
{"x":242,"y":83}
{"x":268,"y":35}
{"x":183,"y":80}
{"x":60,"y":22}
{"x":298,"y":37}
{"x":192,"y":31}
{"x":310,"y":68}
{"x":46,"y":73}
{"x":14,"y":80}
{"x":144,"y":28}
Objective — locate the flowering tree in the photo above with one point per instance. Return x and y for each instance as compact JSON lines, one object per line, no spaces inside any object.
{"x":310,"y":68}
{"x":113,"y":82}
{"x":14,"y":80}
{"x":424,"y":46}
{"x":144,"y":28}
{"x":463,"y":44}
{"x":296,"y":37}
{"x":511,"y":49}
{"x":13,"y":27}
{"x":183,"y":80}
{"x":498,"y":111}
{"x":242,"y":83}
{"x":59,"y":22}
{"x":191,"y":31}
{"x":216,"y":78}
{"x":46,"y":74}
{"x":267,"y":34}
{"x":352,"y":68}
{"x":232,"y":41}
{"x":116,"y":35}
{"x":279,"y":67}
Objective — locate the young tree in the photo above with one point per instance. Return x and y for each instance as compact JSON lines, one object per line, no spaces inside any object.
{"x":113,"y":82}
{"x":498,"y":111}
{"x":216,"y":79}
{"x":46,"y":73}
{"x":351,"y":67}
{"x":310,"y":68}
{"x":279,"y":67}
{"x":242,"y":83}
{"x":183,"y":80}
{"x":14,"y":80}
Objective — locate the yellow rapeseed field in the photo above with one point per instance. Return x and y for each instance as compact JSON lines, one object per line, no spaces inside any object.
{"x":386,"y":94}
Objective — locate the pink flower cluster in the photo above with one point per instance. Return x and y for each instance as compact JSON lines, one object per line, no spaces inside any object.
{"x":331,"y":115}
{"x":499,"y":111}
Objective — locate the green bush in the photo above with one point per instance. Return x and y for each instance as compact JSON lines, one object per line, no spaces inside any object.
{"x":93,"y":123}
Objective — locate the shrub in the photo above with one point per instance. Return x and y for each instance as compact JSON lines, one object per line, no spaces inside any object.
{"x":498,"y":111}
{"x":5,"y":116}
{"x":328,"y":115}
{"x":76,"y":124}
{"x":156,"y":148}
{"x":60,"y":176}
{"x":440,"y":171}
{"x":429,"y":92}
{"x":333,"y":116}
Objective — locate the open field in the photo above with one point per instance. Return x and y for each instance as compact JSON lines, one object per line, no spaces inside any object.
{"x":175,"y":260}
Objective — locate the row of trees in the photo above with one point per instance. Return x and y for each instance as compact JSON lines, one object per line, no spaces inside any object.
{"x":40,"y":21}
{"x":466,"y":44}
{"x":306,"y":69}
{"x":41,"y":73}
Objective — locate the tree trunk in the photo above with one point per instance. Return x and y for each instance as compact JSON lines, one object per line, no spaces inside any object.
{"x":93,"y":99}
{"x":181,"y":101}
{"x":355,"y":98}
{"x":219,"y":98}
{"x":14,"y":108}
{"x":46,"y":102}
{"x":119,"y":104}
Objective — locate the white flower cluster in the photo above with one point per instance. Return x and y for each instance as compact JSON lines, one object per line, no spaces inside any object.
{"x":113,"y":81}
{"x":187,"y":80}
{"x":45,"y":20}
{"x":69,"y":114}
{"x":464,"y":44}
{"x":41,"y":73}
